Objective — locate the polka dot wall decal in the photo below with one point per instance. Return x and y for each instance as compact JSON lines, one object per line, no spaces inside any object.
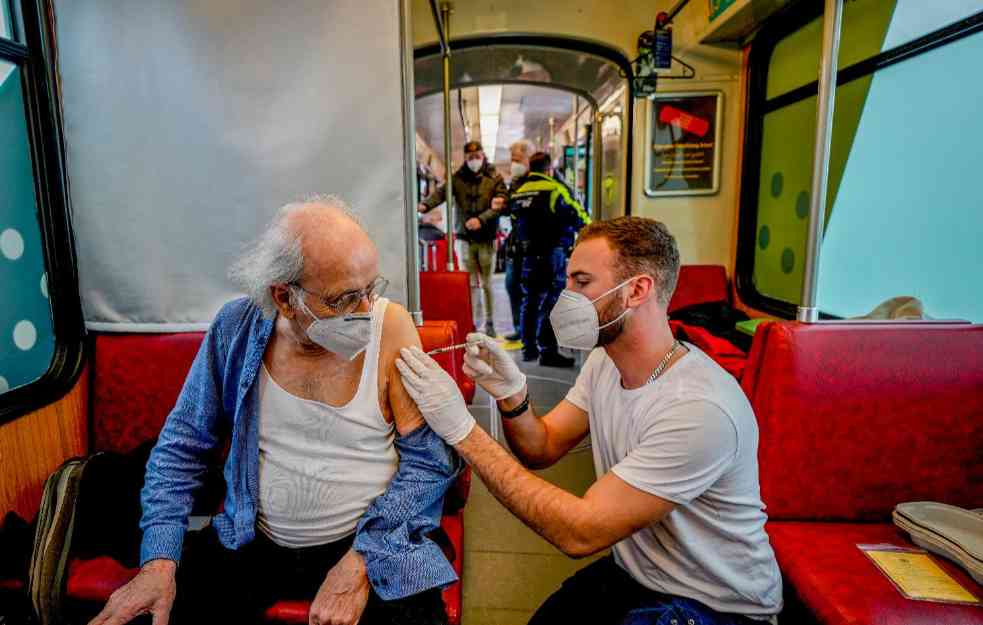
{"x":11,"y":244}
{"x":4,"y":385}
{"x":777,"y":182}
{"x":802,"y":205}
{"x":25,"y":335}
{"x":788,"y":260}
{"x":764,"y":237}
{"x":44,"y":284}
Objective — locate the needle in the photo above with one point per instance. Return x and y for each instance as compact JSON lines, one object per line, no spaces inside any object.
{"x":449,"y":348}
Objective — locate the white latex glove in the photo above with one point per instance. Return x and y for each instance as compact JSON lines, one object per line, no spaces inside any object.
{"x":436,"y":395}
{"x":488,"y":364}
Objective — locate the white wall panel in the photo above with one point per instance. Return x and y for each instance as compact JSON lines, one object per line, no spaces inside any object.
{"x":189,"y":123}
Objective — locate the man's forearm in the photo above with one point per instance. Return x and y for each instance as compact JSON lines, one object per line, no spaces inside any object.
{"x":526,"y":434}
{"x":558,"y":516}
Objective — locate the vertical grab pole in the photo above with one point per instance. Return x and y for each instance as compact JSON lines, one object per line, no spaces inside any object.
{"x":445,"y":14}
{"x":832,"y":20}
{"x":576,"y":145}
{"x":409,"y":164}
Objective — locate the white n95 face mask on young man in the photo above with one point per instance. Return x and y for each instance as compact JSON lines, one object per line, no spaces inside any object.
{"x":345,"y":335}
{"x":474,"y":164}
{"x":575,"y":321}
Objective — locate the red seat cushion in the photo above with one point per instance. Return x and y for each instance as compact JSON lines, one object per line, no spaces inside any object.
{"x":94,"y":580}
{"x":840,"y":586}
{"x":854,"y":418}
{"x":699,"y":284}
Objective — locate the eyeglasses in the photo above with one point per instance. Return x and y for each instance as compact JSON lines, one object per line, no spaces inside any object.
{"x":348,"y":301}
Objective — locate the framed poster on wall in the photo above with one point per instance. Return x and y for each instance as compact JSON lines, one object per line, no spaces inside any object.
{"x":683,"y":153}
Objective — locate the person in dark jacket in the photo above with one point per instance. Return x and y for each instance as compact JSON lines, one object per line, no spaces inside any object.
{"x":480,"y":196}
{"x":547,"y":218}
{"x":520,"y":151}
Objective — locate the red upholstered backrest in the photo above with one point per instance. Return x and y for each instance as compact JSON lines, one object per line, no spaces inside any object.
{"x":856,"y":418}
{"x":699,"y":284}
{"x":434,"y":255}
{"x":136,"y":379}
{"x":447,"y":295}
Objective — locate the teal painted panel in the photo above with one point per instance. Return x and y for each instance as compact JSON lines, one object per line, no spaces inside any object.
{"x":26,"y":336}
{"x":719,"y":6}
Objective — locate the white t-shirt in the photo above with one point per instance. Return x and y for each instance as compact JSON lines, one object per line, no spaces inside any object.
{"x":691,"y":438}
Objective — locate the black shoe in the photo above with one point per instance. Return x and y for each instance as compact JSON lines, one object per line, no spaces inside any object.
{"x":556,"y":360}
{"x":529,"y":356}
{"x":515,"y":336}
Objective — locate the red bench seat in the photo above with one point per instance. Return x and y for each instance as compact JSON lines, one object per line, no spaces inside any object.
{"x":135,"y":382}
{"x":854,"y":419}
{"x":840,"y":586}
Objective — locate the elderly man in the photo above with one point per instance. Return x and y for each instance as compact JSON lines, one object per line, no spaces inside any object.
{"x":674,"y":440}
{"x":333,"y":478}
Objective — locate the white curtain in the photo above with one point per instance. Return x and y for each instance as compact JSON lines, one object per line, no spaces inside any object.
{"x":189,"y":123}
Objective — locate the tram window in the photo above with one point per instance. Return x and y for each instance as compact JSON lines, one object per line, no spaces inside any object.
{"x":899,"y":210}
{"x":26,"y":336}
{"x":907,"y":218}
{"x":6,"y":23}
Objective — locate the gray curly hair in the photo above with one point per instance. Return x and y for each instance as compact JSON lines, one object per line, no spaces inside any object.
{"x":277,"y":257}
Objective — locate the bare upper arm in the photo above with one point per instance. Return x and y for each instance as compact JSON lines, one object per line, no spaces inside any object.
{"x":398,"y":331}
{"x":616,"y":510}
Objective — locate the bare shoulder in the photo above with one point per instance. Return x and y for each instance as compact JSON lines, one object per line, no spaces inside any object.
{"x":398,"y":331}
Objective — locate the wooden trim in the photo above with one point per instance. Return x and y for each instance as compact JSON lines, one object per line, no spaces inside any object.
{"x":34,"y":445}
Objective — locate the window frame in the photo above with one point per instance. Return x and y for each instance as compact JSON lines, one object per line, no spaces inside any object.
{"x":758,"y":106}
{"x":35,"y":51}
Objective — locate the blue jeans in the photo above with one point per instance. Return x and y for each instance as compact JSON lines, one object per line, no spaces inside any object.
{"x":513,"y":286}
{"x":544,"y":275}
{"x":602,"y":593}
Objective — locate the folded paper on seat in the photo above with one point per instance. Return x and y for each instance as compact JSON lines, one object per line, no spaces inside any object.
{"x":917,"y":576}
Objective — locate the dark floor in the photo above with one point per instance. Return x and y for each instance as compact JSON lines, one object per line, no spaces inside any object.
{"x":508,"y":569}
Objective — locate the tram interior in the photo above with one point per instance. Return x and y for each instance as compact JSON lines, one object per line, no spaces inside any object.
{"x":141,"y":146}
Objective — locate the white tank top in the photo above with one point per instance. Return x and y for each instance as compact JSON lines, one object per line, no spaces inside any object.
{"x":320,"y":466}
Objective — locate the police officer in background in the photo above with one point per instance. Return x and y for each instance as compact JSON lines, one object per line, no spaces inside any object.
{"x":480,"y":195}
{"x":519,"y":152}
{"x":547,"y":218}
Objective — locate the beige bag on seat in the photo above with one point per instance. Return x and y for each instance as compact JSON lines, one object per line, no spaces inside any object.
{"x":950,"y":531}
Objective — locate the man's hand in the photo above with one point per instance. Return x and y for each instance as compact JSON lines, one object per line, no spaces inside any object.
{"x":436,"y":395}
{"x":421,"y":207}
{"x":472,"y":224}
{"x":498,"y":203}
{"x":488,"y":364}
{"x":151,"y":592}
{"x":343,"y":594}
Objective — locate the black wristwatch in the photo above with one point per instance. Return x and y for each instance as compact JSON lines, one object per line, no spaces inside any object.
{"x":518,"y":410}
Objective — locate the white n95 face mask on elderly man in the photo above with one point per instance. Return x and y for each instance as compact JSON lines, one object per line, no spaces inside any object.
{"x":345,"y":335}
{"x":575,"y":321}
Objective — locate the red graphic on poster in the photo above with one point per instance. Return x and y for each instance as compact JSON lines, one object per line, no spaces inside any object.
{"x":690,"y":123}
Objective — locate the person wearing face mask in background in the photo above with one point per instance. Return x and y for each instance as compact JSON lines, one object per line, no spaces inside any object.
{"x":480,"y":195}
{"x":333,"y":478}
{"x":547,"y":218}
{"x":519,"y":152}
{"x":673,"y":436}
